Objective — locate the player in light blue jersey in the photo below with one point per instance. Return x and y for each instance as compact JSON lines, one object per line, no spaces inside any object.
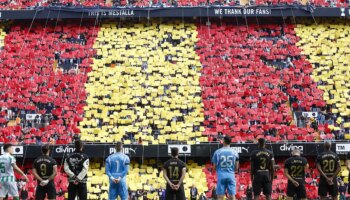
{"x":226,"y":162}
{"x":117,"y":167}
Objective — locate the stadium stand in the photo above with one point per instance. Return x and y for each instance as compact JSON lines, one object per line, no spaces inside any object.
{"x":279,"y":184}
{"x":344,"y":173}
{"x":147,"y":84}
{"x":21,"y":4}
{"x":144,"y":85}
{"x":325,"y":46}
{"x":43,"y":71}
{"x":251,"y":75}
{"x":61,"y":183}
{"x":2,"y":37}
{"x":144,"y":180}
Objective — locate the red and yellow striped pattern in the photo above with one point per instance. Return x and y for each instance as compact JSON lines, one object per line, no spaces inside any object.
{"x":144,"y":84}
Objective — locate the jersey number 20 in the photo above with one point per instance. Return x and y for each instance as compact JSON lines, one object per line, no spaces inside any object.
{"x":328,"y":166}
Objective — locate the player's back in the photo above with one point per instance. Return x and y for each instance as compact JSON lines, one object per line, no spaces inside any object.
{"x":262,"y":160}
{"x":296,"y":167}
{"x":76,"y":163}
{"x":328,"y":162}
{"x":44,"y":166}
{"x":225,"y":159}
{"x":6,"y":169}
{"x":174,"y":167}
{"x":118,"y":164}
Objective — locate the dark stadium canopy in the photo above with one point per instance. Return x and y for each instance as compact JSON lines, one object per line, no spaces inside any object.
{"x":212,"y":11}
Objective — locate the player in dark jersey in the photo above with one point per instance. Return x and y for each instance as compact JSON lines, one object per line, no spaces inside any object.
{"x":348,"y":167}
{"x":45,"y":171}
{"x":328,"y":165}
{"x":294,"y":170}
{"x":174,"y":172}
{"x":262,"y":170}
{"x":76,"y":167}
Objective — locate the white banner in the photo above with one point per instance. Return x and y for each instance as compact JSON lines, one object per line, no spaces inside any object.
{"x":183,"y":149}
{"x":310,"y":114}
{"x":17,"y":151}
{"x":32,"y":116}
{"x":342,"y":148}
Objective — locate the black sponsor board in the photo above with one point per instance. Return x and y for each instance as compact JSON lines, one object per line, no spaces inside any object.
{"x":204,"y":11}
{"x":198,"y":150}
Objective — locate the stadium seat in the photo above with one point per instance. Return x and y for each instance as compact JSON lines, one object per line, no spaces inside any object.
{"x":22,"y":4}
{"x":243,"y":93}
{"x":144,"y":85}
{"x":147,"y":84}
{"x":145,"y":178}
{"x":43,"y":73}
{"x":279,"y":183}
{"x":61,"y":183}
{"x":2,"y":37}
{"x":324,"y":46}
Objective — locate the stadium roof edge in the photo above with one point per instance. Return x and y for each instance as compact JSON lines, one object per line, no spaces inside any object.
{"x":174,"y":12}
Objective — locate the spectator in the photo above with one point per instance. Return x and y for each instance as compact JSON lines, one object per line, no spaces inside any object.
{"x":203,"y":197}
{"x":194,"y":192}
{"x":163,"y":194}
{"x":342,"y":190}
{"x":213,"y":193}
{"x":133,"y":196}
{"x":249,"y":192}
{"x":282,"y":197}
{"x":140,"y":141}
{"x":160,"y":193}
{"x":18,"y":120}
{"x":24,"y":193}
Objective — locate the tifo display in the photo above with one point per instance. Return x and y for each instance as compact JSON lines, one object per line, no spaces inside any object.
{"x":160,"y":83}
{"x":230,"y":107}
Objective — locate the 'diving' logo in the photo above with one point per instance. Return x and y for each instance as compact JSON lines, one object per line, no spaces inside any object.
{"x":62,"y":149}
{"x":291,"y":147}
{"x":125,"y":150}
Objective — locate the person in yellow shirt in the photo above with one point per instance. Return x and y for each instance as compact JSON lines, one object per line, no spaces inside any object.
{"x":18,"y":120}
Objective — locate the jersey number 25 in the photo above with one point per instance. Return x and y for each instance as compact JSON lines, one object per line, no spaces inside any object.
{"x":226,"y":161}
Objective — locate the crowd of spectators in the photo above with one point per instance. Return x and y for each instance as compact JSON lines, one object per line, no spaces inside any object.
{"x":44,"y":102}
{"x":254,"y":78}
{"x":144,"y":86}
{"x":323,"y":46}
{"x":255,"y":84}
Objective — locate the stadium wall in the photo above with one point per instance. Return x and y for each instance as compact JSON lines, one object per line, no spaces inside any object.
{"x":190,"y":151}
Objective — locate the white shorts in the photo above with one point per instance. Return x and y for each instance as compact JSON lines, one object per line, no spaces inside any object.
{"x":8,"y":188}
